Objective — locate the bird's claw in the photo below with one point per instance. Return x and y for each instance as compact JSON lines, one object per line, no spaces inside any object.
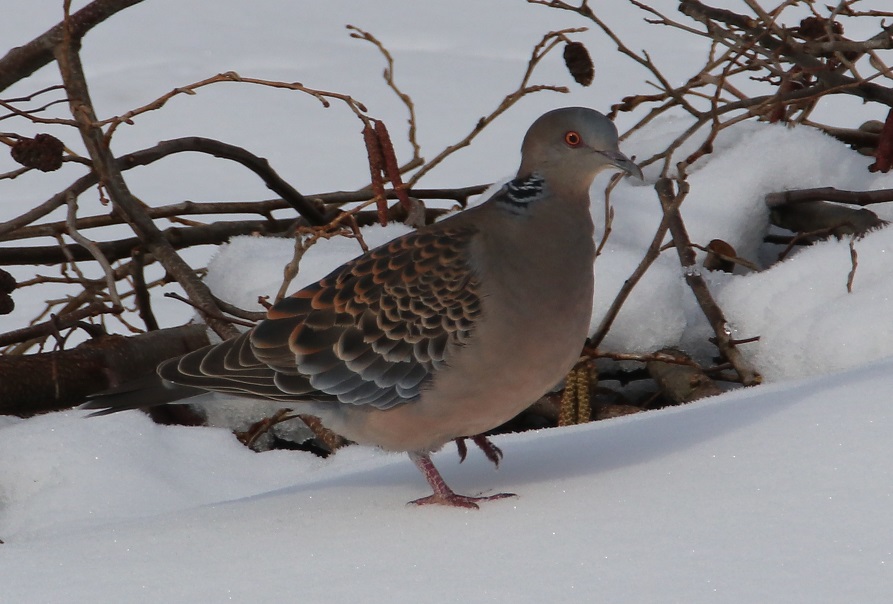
{"x":455,"y":500}
{"x":492,"y":452}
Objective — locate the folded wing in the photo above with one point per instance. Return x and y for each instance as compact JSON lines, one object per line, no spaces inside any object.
{"x":373,"y":332}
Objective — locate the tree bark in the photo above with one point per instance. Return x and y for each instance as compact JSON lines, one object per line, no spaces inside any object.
{"x":50,"y":381}
{"x":22,"y":61}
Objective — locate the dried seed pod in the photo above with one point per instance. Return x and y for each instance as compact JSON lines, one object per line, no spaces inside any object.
{"x":816,"y":28}
{"x":579,"y":63}
{"x":872,"y":126}
{"x":7,"y":282}
{"x":391,"y":168}
{"x":376,"y":169}
{"x":718,"y":254}
{"x":884,"y":153}
{"x":7,"y":304}
{"x":43,"y":152}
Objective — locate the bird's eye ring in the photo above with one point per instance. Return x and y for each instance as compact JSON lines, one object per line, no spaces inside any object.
{"x":573,"y":139}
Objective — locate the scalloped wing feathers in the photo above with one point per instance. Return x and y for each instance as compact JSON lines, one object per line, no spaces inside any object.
{"x":373,"y":332}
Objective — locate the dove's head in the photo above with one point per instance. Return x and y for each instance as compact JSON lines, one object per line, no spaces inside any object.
{"x":570,"y":146}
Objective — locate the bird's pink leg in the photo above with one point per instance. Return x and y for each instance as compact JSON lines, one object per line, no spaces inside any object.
{"x":443,"y":494}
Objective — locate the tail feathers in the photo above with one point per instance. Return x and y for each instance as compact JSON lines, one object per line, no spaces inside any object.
{"x":148,"y":391}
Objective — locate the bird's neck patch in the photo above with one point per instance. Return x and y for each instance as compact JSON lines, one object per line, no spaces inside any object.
{"x":518,"y":194}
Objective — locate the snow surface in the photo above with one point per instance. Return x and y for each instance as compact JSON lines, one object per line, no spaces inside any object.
{"x":774,"y":494}
{"x":778,"y":493}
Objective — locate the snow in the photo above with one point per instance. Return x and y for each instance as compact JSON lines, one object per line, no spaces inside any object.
{"x":727,"y":202}
{"x":809,"y":323}
{"x":777,"y":493}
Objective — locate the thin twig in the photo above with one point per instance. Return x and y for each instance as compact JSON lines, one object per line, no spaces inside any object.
{"x":670,"y":201}
{"x":91,"y":247}
{"x":388,"y":75}
{"x":13,"y":229}
{"x":733,"y":259}
{"x":651,"y":254}
{"x":306,"y":237}
{"x":662,"y":357}
{"x":212,"y":312}
{"x":141,"y":290}
{"x":57,"y":323}
{"x":191,"y":208}
{"x":609,"y":213}
{"x":104,"y":163}
{"x":323,"y":96}
{"x":549,"y":41}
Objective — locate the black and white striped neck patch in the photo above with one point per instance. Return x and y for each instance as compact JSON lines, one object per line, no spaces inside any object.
{"x":521,"y":192}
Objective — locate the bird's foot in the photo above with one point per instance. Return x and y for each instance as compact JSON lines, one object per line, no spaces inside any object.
{"x":460,"y":501}
{"x":443,"y":494}
{"x":493,"y":453}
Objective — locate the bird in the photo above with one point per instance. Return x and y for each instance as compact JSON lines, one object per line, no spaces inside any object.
{"x":440,"y":334}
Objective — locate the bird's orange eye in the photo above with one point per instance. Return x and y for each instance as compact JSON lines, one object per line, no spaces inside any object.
{"x":573,"y":139}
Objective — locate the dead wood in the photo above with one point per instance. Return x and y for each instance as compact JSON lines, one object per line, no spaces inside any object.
{"x":38,"y":383}
{"x":856,"y":198}
{"x":682,"y":381}
{"x":822,"y":217}
{"x":756,"y":33}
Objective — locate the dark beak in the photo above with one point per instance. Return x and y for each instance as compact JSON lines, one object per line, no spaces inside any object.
{"x":624,"y":163}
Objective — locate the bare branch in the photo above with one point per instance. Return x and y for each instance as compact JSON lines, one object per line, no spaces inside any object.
{"x":22,"y":61}
{"x":671,"y":201}
{"x":549,"y":41}
{"x":109,"y":174}
{"x":258,"y":165}
{"x":651,"y":254}
{"x":360,"y":34}
{"x":94,"y":251}
{"x":788,"y":48}
{"x":56,"y":324}
{"x":141,"y":290}
{"x":10,"y":231}
{"x":858,"y":198}
{"x":31,"y":384}
{"x":323,"y":96}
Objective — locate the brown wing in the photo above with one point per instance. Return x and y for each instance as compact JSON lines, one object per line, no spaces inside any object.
{"x":372,"y":332}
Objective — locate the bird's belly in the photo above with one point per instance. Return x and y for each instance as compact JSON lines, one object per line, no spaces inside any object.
{"x":476,"y":392}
